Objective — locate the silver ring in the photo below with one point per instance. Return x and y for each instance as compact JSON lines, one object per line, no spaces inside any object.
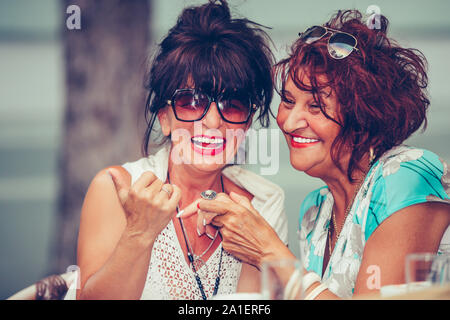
{"x":165,"y":190}
{"x":209,"y":194}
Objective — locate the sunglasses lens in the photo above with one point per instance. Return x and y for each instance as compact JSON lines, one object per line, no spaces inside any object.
{"x":313,"y":34}
{"x":341,"y":45}
{"x":189,"y":105}
{"x":235,"y":108}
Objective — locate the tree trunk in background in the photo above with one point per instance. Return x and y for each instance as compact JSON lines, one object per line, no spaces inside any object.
{"x":105,"y":98}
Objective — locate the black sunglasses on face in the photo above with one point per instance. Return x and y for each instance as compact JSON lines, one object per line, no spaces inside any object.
{"x":191,"y":105}
{"x":340,"y":44}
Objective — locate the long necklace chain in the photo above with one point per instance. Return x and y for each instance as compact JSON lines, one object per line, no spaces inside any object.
{"x":333,"y":215}
{"x":196,"y":261}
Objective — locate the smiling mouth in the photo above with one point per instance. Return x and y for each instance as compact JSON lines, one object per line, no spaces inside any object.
{"x":208,"y":145}
{"x":302,"y":142}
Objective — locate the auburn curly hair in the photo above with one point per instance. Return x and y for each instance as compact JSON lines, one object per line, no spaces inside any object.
{"x":380,"y":88}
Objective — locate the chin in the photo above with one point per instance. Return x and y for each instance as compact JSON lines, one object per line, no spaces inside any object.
{"x":207,"y":163}
{"x":299,"y":165}
{"x":311,"y":169}
{"x":302,"y":164}
{"x":208,"y":168}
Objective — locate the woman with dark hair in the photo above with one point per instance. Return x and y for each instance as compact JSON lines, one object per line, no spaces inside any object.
{"x":211,"y":74}
{"x":350,"y":96}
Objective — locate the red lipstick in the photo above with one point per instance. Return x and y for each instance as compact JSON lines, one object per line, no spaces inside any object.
{"x":302,"y":142}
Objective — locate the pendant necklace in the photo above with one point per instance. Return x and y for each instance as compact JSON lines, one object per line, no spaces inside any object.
{"x":195,"y":260}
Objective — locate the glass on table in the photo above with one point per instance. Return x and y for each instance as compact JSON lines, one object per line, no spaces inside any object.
{"x":444,"y":248}
{"x":423,"y":270}
{"x":282,"y":279}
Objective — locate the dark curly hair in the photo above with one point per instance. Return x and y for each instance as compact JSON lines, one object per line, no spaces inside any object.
{"x":380,"y":89}
{"x":217,"y":53}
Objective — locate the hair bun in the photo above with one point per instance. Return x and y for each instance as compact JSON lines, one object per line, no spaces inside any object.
{"x":213,"y":52}
{"x":205,"y":19}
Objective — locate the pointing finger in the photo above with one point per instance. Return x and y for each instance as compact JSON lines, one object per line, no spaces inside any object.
{"x":189,"y":210}
{"x":214,"y":206}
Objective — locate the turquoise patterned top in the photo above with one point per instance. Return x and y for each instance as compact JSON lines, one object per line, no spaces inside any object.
{"x":403,"y":176}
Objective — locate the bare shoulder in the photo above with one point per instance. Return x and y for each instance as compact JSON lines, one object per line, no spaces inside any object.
{"x":103,"y":177}
{"x":102,"y":221}
{"x":102,"y":186}
{"x":101,"y":198}
{"x":427,"y":217}
{"x":416,"y":228}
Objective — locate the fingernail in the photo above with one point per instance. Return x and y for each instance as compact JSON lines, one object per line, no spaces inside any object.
{"x":198,"y":232}
{"x":204,"y":222}
{"x":211,"y":237}
{"x":179,"y":214}
{"x":198,"y":205}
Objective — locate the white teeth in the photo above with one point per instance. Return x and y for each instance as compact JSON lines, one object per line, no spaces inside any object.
{"x":304,"y":140}
{"x":207,"y":140}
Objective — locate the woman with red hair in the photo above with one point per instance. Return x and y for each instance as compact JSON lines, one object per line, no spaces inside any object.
{"x":350,"y":97}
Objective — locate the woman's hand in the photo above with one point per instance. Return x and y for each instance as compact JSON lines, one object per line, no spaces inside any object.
{"x":147,"y":206}
{"x":245,"y":233}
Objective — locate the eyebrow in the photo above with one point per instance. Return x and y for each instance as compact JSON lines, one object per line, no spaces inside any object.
{"x":321,"y":92}
{"x":325,"y":94}
{"x":284,"y":92}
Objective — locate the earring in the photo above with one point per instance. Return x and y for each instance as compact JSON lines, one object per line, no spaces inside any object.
{"x":371,"y":155}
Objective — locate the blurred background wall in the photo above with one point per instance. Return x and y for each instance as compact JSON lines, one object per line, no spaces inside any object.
{"x":33,"y":102}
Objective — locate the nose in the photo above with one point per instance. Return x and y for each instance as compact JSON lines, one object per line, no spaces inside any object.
{"x":212,"y":119}
{"x":296,"y":119}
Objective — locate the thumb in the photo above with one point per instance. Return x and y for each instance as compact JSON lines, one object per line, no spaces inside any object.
{"x":120,"y":185}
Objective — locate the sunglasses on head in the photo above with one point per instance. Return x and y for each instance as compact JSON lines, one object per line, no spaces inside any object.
{"x":340,"y":44}
{"x":191,"y":105}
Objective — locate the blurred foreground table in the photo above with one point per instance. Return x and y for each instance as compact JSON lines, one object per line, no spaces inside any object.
{"x":433,"y":293}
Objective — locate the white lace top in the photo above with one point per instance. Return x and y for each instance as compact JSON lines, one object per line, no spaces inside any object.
{"x":169,"y":276}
